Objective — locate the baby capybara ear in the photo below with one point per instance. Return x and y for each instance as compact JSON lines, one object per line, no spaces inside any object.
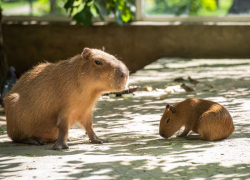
{"x":86,"y":53}
{"x":167,"y":106}
{"x":173,"y":109}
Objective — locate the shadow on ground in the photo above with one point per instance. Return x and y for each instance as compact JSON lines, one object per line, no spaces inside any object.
{"x":135,"y":150}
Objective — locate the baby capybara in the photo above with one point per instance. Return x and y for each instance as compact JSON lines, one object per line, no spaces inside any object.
{"x":52,"y":97}
{"x":209,"y":119}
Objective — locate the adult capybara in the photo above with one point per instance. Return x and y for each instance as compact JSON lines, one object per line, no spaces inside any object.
{"x":209,"y":119}
{"x":50,"y":98}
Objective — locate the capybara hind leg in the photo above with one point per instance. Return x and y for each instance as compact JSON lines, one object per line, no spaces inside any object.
{"x":61,"y":142}
{"x":209,"y":137}
{"x":88,"y":126}
{"x":33,"y":140}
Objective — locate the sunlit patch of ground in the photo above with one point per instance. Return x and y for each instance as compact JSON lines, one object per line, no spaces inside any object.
{"x":135,"y":150}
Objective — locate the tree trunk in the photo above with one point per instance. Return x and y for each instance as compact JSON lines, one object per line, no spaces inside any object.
{"x":3,"y":59}
{"x":240,"y":7}
{"x":31,"y":7}
{"x":52,"y":7}
{"x":217,"y":3}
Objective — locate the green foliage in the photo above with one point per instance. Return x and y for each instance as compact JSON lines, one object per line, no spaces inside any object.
{"x":11,"y":4}
{"x":43,"y":7}
{"x":84,"y":10}
{"x":180,"y":7}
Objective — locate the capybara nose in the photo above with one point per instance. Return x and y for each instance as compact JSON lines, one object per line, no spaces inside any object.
{"x":162,"y":134}
{"x":124,"y":73}
{"x":121,"y":77}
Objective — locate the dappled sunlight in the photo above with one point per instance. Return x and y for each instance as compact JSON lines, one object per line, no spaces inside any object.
{"x":207,"y":70}
{"x":135,"y":149}
{"x":245,"y":105}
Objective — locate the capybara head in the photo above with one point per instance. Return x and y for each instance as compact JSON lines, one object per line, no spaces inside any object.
{"x":170,"y":122}
{"x":106,"y":72}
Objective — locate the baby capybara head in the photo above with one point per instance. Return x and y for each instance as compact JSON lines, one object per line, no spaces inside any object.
{"x":106,"y":72}
{"x":169,"y":123}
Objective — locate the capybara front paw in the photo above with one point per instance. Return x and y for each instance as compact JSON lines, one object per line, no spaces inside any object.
{"x":194,"y":137}
{"x":58,"y":146}
{"x":181,"y":135}
{"x":98,"y":141}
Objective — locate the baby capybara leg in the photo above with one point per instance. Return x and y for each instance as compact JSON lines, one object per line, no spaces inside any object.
{"x":208,"y":128}
{"x":33,"y":140}
{"x":214,"y":135}
{"x":184,"y":133}
{"x":194,"y":137}
{"x":208,"y":133}
{"x":209,"y":137}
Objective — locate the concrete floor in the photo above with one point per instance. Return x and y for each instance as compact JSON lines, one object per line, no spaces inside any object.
{"x":135,"y":150}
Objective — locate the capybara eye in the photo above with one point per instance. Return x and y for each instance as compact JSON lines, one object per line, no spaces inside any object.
{"x":98,"y":62}
{"x":168,"y":120}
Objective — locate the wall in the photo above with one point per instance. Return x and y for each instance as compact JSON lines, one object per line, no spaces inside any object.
{"x":136,"y":44}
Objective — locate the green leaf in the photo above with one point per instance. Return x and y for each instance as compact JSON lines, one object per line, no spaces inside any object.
{"x":108,"y":11}
{"x":69,"y":4}
{"x":120,"y":4}
{"x":98,"y":10}
{"x":84,"y":16}
{"x":126,"y":15}
{"x":181,"y":10}
{"x":209,"y":4}
{"x":71,"y":11}
{"x":83,"y":10}
{"x":118,"y":15}
{"x":89,"y":3}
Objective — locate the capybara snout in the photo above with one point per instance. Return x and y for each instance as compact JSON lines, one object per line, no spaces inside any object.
{"x":121,"y":77}
{"x":167,"y":124}
{"x":162,"y":134}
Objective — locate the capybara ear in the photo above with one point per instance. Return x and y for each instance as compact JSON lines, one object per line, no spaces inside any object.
{"x":86,"y":53}
{"x":173,"y":109}
{"x":167,"y":106}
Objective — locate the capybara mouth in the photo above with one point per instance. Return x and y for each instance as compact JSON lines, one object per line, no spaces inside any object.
{"x":122,"y":87}
{"x":122,"y":84}
{"x":163,"y":135}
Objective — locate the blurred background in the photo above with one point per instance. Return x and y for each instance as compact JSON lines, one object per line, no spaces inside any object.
{"x":149,"y":8}
{"x":138,"y":31}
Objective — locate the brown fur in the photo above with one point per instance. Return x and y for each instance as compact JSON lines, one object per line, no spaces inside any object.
{"x":50,"y":98}
{"x":209,"y":119}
